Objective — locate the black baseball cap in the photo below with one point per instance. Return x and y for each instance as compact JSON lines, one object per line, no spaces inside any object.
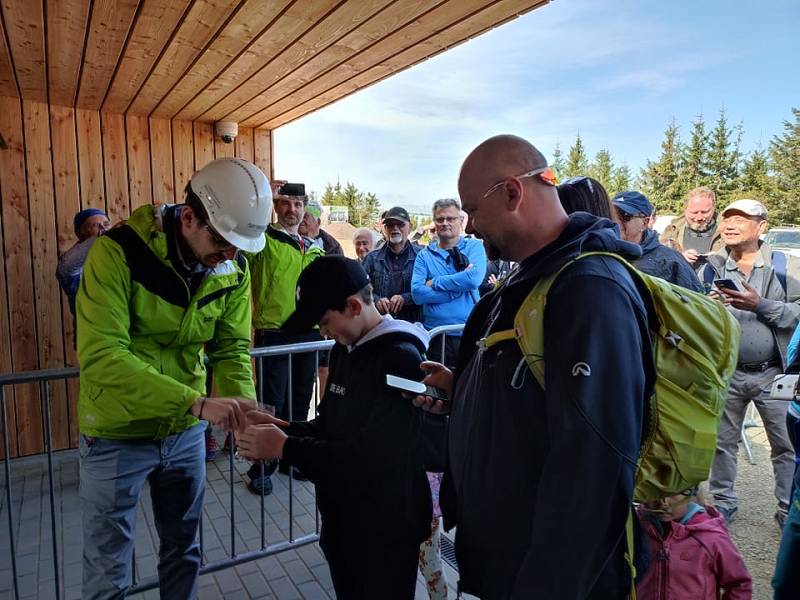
{"x":398,"y":213}
{"x":324,"y":285}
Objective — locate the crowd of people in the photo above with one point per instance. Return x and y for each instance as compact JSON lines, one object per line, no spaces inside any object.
{"x":538,"y":480}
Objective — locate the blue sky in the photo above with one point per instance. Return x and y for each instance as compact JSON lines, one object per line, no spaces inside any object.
{"x":615,"y":71}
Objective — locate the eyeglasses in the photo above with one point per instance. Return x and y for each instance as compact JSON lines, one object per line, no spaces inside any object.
{"x":626,"y":218}
{"x":442,"y":220}
{"x":581,"y":180}
{"x":220,"y":242}
{"x":545,"y":174}
{"x":394,"y":224}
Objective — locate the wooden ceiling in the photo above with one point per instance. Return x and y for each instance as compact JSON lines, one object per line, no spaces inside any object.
{"x":261,"y":63}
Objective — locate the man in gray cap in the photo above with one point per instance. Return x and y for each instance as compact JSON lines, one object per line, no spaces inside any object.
{"x":762,"y":289}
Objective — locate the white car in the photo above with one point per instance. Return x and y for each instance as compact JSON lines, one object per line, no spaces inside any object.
{"x":785,"y":238}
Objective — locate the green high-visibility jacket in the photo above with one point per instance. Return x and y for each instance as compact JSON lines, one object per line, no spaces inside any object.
{"x":142,"y":334}
{"x":275,"y":272}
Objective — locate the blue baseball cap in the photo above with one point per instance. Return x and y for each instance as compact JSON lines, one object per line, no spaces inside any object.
{"x":81,"y":217}
{"x":633,"y":203}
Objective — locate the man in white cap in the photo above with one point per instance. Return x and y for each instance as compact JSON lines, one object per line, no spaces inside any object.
{"x":762,"y":289}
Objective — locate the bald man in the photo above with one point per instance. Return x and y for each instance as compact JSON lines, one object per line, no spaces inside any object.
{"x":696,"y":233}
{"x":539,"y":483}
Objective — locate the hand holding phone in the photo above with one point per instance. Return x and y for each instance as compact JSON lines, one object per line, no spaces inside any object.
{"x":415,"y":387}
{"x":727,"y":284}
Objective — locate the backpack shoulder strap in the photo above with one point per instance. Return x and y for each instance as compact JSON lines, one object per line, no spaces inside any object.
{"x":779,"y":267}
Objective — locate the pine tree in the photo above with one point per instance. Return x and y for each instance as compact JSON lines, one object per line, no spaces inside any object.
{"x":660,"y":180}
{"x":331,"y":193}
{"x":577,"y":162}
{"x":602,"y":168}
{"x":558,"y":164}
{"x":724,"y":158}
{"x":621,"y":181}
{"x":695,"y":161}
{"x":784,"y":153}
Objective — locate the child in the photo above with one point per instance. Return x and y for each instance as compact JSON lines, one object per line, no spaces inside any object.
{"x":692,"y":555}
{"x":361,"y":451}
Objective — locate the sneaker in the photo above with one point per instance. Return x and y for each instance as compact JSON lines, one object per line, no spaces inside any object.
{"x":260,"y":486}
{"x":781,"y":514}
{"x":727,"y":513}
{"x":211,"y":446}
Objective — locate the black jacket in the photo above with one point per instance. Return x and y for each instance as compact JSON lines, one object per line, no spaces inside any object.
{"x":538,"y":484}
{"x":361,"y":450}
{"x":660,"y":261}
{"x":330,"y":245}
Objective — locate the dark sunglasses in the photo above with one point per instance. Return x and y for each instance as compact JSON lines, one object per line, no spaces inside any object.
{"x":626,"y":218}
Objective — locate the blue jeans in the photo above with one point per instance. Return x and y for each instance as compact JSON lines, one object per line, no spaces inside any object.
{"x":112,"y":473}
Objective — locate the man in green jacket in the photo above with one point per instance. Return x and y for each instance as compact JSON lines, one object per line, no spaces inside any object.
{"x":157,"y":293}
{"x":275,"y":271}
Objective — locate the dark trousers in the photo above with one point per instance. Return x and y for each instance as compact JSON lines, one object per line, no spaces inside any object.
{"x":372,"y":567}
{"x":786,"y":581}
{"x":451,"y":346}
{"x":273,"y":374}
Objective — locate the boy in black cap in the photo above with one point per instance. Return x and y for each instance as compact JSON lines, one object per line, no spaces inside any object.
{"x":362,"y":450}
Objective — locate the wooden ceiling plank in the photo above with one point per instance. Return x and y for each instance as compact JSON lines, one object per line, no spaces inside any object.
{"x":438,"y":30}
{"x":297,"y":19}
{"x":109,"y":25}
{"x":252,"y":21}
{"x":154,"y":28}
{"x":316,"y":40}
{"x":8,"y":79}
{"x":66,"y":28}
{"x":394,"y":17}
{"x":201,"y":25}
{"x":24,"y":23}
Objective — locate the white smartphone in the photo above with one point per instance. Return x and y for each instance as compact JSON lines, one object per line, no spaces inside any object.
{"x":784,"y":387}
{"x":415,"y":387}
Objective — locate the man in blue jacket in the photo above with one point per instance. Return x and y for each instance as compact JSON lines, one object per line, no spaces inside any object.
{"x":539,"y":482}
{"x":447,"y":275}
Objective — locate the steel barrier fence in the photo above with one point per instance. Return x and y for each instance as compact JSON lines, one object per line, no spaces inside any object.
{"x":45,"y":376}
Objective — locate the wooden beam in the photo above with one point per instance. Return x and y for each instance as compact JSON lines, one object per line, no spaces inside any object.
{"x":203,"y":144}
{"x":435,"y":32}
{"x":115,"y":165}
{"x":24,"y":23}
{"x":41,"y":198}
{"x":6,"y":365}
{"x":197,"y":30}
{"x":138,"y":140}
{"x":284,"y":77}
{"x":297,"y":19}
{"x":8,"y":78}
{"x":90,"y":159}
{"x":108,"y":29}
{"x":66,"y":30}
{"x":19,"y":272}
{"x":161,"y":161}
{"x":154,"y":27}
{"x":262,"y":150}
{"x":183,"y":156}
{"x":253,"y":20}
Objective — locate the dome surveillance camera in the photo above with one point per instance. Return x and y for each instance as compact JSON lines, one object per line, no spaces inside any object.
{"x":227,"y":131}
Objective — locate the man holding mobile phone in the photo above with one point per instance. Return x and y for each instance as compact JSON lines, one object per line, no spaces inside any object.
{"x":767,"y":306}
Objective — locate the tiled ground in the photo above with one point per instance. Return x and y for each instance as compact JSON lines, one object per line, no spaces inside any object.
{"x":295,"y":573}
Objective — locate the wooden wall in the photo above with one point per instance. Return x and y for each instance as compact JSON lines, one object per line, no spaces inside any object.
{"x":58,"y":161}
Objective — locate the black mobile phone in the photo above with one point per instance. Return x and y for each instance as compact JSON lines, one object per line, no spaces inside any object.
{"x":292,"y":189}
{"x":728,"y":284}
{"x":415,"y":387}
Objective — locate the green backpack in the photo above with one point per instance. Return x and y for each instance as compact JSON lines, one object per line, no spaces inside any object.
{"x":695,"y":346}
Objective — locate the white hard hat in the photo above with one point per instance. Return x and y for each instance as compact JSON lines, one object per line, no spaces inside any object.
{"x":238,"y":199}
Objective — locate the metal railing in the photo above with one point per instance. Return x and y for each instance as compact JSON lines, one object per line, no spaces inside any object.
{"x":44,"y":377}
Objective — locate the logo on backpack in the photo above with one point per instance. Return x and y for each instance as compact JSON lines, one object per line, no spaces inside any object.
{"x":581,"y":368}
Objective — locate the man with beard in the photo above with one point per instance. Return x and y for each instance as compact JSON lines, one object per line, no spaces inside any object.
{"x":539,"y":483}
{"x":390,"y":267}
{"x":275,"y":271}
{"x":696,"y":232}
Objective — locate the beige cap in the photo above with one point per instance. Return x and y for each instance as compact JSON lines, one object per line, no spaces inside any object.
{"x":754,"y":208}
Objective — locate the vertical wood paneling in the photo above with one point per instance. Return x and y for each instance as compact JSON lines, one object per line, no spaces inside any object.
{"x":8,"y":83}
{"x":262,"y":150}
{"x":182,"y":156}
{"x":244,"y":144}
{"x":5,"y":345}
{"x":90,"y":159}
{"x":115,"y":166}
{"x":223,"y":150}
{"x":203,"y":144}
{"x":16,"y":226}
{"x":161,"y":161}
{"x":41,"y":194}
{"x":68,"y":202}
{"x":138,"y":138}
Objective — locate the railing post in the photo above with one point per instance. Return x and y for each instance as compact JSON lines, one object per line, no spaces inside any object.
{"x":291,"y":479}
{"x":45,"y":389}
{"x":232,"y":446}
{"x":7,"y":469}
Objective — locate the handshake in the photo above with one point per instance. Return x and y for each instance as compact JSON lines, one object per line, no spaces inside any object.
{"x":258,"y":434}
